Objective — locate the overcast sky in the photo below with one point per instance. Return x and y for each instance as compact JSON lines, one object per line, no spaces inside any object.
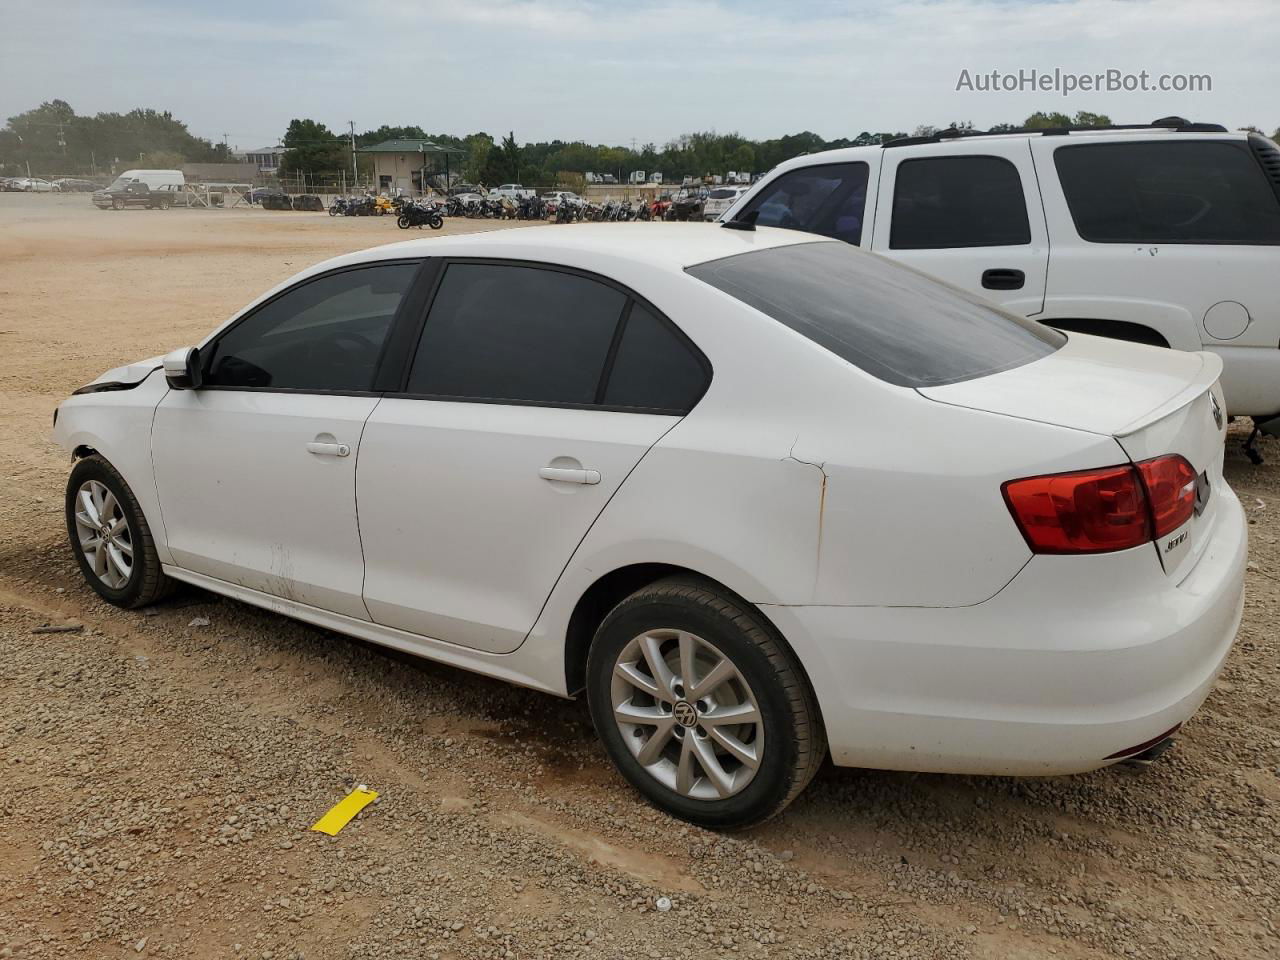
{"x":610,"y":72}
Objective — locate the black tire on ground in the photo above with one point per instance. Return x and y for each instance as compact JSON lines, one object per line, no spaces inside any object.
{"x":147,"y":583}
{"x":117,"y":204}
{"x":403,"y":222}
{"x":795,"y":743}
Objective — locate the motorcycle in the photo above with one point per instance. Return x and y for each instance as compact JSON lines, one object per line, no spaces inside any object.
{"x":419,"y":215}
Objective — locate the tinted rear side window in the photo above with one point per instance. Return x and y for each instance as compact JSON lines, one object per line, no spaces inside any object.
{"x":829,"y":200}
{"x":1195,"y":191}
{"x":518,"y":333}
{"x":654,"y":367}
{"x":941,"y":202}
{"x":891,"y":321}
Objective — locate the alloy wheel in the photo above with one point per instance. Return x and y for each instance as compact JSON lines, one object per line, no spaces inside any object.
{"x":103,"y":533}
{"x":687,"y":714}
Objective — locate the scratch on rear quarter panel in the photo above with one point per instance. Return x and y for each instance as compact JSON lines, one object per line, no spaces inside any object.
{"x":822,"y":499}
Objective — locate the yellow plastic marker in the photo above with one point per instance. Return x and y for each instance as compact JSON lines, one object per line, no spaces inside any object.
{"x":342,"y":812}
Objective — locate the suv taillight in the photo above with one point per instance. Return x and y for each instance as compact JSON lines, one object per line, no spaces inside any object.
{"x":1096,"y":511}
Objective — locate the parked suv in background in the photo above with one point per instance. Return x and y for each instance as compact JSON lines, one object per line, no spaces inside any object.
{"x":1164,"y":234}
{"x":719,"y":200}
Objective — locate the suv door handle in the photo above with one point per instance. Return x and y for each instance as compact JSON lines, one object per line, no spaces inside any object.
{"x":1002,"y":279}
{"x":328,"y":449}
{"x":569,"y":475}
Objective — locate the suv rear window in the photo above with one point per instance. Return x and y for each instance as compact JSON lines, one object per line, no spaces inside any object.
{"x":1195,"y":191}
{"x":893,"y":322}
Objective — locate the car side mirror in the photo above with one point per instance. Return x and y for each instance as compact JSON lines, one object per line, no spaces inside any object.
{"x":182,"y":369}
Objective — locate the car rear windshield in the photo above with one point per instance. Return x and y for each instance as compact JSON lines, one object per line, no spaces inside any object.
{"x":893,"y":322}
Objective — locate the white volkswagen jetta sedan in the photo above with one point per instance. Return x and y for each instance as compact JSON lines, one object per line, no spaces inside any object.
{"x":762,"y":496}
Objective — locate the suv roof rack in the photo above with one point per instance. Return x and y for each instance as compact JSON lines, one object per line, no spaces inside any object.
{"x":1176,"y":124}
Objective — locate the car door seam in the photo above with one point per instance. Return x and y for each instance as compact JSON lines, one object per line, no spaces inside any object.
{"x":591,"y":526}
{"x":355,"y":502}
{"x":1048,"y":236}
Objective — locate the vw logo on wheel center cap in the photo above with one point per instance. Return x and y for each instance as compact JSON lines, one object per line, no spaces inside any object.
{"x":685,"y":713}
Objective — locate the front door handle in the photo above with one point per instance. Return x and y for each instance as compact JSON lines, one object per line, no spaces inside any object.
{"x":569,"y":475}
{"x":1003,"y":279}
{"x":328,"y":449}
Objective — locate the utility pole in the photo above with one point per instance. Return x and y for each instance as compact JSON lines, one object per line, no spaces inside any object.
{"x":355,"y":172}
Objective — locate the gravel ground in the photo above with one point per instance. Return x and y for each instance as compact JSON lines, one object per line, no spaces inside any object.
{"x":161,"y":768}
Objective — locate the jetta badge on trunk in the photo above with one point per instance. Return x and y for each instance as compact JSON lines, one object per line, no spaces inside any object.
{"x":1217,"y":409}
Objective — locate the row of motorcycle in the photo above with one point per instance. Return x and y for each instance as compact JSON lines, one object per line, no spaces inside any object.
{"x":431,"y":211}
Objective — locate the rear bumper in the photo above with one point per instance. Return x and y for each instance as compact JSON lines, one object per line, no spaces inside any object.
{"x":1077,"y":660}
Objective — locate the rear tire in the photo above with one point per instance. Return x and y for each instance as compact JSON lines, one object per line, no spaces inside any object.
{"x":737,"y":773}
{"x":111,"y":538}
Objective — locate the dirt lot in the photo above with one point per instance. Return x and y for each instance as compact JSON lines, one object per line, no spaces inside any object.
{"x":160,"y":769}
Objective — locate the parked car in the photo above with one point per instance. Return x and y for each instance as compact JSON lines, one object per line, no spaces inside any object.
{"x":512,"y":191}
{"x":1164,"y":234}
{"x":36,"y":185}
{"x":936,"y":536}
{"x":720,"y":199}
{"x":74,"y":185}
{"x":557,"y":197}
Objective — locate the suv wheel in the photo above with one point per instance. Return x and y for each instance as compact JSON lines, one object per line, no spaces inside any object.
{"x":110,"y":537}
{"x":701,"y":706}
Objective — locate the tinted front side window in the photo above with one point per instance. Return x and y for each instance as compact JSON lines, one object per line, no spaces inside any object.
{"x":324,"y":334}
{"x":1195,"y":191}
{"x":505,"y":332}
{"x":887,"y":319}
{"x":828,"y":200}
{"x":941,"y":202}
{"x":654,"y":367}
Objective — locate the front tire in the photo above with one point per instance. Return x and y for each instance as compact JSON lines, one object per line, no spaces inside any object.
{"x":110,"y":537}
{"x":701,"y":706}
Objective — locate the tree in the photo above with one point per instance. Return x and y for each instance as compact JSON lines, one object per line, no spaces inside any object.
{"x":1048,"y":121}
{"x":314,"y":149}
{"x":502,"y":165}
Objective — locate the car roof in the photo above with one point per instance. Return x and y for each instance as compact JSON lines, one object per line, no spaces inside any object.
{"x":974,"y":141}
{"x":670,"y":246}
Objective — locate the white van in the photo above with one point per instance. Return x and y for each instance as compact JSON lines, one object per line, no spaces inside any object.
{"x":1167,"y":234}
{"x":155,"y":179}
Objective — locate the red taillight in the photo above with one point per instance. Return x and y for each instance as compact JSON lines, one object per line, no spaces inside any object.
{"x":1095,"y":511}
{"x":1171,"y":490}
{"x":1089,"y":511}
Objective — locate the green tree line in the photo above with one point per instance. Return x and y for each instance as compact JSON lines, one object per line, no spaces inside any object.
{"x":317,"y":151}
{"x":53,"y":139}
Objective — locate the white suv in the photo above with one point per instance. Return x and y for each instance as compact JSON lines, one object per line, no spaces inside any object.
{"x":1164,"y":234}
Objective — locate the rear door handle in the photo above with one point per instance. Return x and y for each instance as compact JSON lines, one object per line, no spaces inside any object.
{"x":328,"y":449}
{"x":569,"y":475}
{"x":1002,"y":279}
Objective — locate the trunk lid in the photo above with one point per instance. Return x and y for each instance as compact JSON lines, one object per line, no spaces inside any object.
{"x":1152,"y":401}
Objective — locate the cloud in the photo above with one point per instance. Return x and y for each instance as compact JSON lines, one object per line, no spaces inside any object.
{"x":611,"y":72}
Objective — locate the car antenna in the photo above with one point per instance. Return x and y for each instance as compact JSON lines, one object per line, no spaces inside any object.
{"x":745,"y":222}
